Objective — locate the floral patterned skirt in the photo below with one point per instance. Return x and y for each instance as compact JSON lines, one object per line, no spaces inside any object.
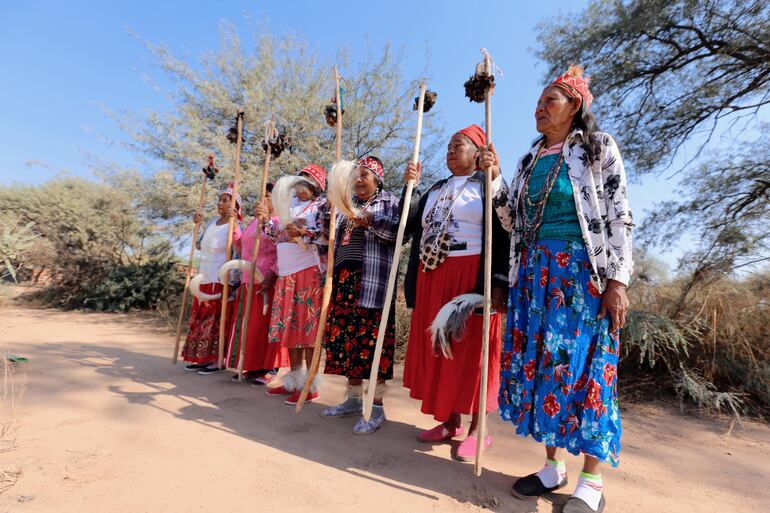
{"x":296,"y":308}
{"x":202,"y":343}
{"x":559,"y":369}
{"x":351,"y":332}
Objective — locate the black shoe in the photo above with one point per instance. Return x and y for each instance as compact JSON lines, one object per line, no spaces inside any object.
{"x":194,"y":367}
{"x":209,"y":370}
{"x":576,"y":505}
{"x":530,"y":487}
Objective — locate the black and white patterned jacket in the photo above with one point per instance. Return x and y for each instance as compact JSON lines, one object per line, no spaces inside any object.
{"x":600,"y":190}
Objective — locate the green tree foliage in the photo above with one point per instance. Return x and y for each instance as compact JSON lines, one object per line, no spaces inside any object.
{"x":281,"y":76}
{"x":664,"y":70}
{"x":87,"y":236}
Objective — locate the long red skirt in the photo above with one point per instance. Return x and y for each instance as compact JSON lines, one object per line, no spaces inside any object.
{"x":450,"y":386}
{"x":260,"y":355}
{"x":202,"y":343}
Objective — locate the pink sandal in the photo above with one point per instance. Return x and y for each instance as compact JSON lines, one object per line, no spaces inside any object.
{"x":466,"y":451}
{"x":439,"y":434}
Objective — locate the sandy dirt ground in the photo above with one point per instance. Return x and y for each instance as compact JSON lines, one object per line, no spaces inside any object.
{"x":107,"y":424}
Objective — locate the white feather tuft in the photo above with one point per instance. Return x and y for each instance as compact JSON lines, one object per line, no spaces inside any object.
{"x":284,"y":191}
{"x":195,"y":288}
{"x":340,"y":187}
{"x":238,"y":265}
{"x":450,"y":321}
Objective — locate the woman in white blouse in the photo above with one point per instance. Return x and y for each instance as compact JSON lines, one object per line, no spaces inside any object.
{"x":446,"y":225}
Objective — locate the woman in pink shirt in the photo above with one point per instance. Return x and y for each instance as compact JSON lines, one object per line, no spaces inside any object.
{"x":261,"y":358}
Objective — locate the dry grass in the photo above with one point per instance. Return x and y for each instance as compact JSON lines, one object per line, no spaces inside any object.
{"x":713,"y":351}
{"x":10,"y":400}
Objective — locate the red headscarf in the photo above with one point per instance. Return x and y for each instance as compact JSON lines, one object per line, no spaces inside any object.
{"x":317,"y":172}
{"x":575,"y":85}
{"x":476,"y":134}
{"x":373,"y":164}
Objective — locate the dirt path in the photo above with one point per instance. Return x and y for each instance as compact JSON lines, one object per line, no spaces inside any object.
{"x":108,"y":425}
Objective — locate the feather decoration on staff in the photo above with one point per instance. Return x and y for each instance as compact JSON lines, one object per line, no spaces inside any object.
{"x":238,"y":265}
{"x":284,"y":190}
{"x":450,"y":322}
{"x":195,"y":288}
{"x":340,"y":187}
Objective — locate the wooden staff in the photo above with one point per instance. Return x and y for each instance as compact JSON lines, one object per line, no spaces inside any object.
{"x":230,"y":228}
{"x":482,"y":427}
{"x":183,"y":306}
{"x":374,"y":373}
{"x":263,"y":191}
{"x":327,"y":292}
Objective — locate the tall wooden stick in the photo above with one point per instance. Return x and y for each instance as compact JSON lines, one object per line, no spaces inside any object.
{"x":250,"y":290}
{"x":230,"y":228}
{"x":374,"y":373}
{"x":482,"y":427}
{"x":327,"y":292}
{"x":183,"y":306}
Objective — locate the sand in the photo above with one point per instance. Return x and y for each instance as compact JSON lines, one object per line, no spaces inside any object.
{"x":107,"y":424}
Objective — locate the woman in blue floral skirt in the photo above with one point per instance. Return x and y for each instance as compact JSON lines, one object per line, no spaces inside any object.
{"x":571,"y":226}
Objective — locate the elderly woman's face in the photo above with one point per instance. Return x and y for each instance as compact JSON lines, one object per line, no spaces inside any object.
{"x":461,"y":155}
{"x":305,"y":193}
{"x":554,"y":110}
{"x":366,"y":183}
{"x":223,"y":204}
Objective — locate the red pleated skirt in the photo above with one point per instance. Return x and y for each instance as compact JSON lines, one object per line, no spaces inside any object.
{"x":260,"y":355}
{"x":450,"y":386}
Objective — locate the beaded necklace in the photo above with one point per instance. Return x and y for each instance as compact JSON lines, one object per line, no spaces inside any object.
{"x":349,"y":224}
{"x":531,"y":224}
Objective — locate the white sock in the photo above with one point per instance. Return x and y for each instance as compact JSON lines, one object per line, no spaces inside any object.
{"x":589,"y":488}
{"x":552,"y":473}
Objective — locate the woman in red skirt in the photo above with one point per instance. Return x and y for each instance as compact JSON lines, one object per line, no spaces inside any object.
{"x":261,"y":358}
{"x":296,"y":307}
{"x":446,"y":225}
{"x":201,"y":348}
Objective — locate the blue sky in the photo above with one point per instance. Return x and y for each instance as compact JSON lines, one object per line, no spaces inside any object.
{"x":63,"y":60}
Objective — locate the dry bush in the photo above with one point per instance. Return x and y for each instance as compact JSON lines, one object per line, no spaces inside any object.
{"x":713,"y":351}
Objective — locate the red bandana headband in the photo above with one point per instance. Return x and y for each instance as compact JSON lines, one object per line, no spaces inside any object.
{"x":575,"y":85}
{"x":373,"y":165}
{"x":317,"y":173}
{"x":476,"y":134}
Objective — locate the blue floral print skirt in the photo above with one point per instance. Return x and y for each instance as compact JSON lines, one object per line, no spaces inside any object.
{"x":559,"y":363}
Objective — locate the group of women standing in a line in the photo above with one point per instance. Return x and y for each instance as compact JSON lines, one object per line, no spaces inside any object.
{"x":561,"y":260}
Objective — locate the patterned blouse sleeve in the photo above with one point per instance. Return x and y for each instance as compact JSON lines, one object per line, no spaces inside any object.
{"x":502,"y":202}
{"x":318,"y":225}
{"x":619,"y":222}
